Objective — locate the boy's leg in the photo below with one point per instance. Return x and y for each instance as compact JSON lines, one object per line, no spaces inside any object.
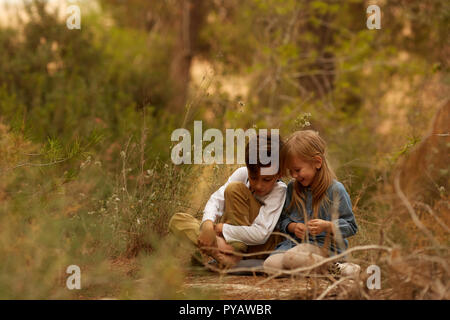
{"x":225,"y":255}
{"x":185,"y":227}
{"x":241,"y":208}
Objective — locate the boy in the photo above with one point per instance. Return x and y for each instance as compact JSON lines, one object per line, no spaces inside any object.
{"x":247,"y":208}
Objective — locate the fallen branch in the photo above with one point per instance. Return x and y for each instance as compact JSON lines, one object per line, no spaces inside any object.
{"x":325,"y":292}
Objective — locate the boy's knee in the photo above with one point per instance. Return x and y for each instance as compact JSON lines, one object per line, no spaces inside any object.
{"x":184,"y":226}
{"x":173,"y":222}
{"x":238,"y":246}
{"x":180,"y":221}
{"x":235,"y":188}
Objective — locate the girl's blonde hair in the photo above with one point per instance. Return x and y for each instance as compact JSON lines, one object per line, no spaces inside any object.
{"x":307,"y":144}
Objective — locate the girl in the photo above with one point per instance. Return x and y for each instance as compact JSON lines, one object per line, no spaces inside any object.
{"x":317,"y":212}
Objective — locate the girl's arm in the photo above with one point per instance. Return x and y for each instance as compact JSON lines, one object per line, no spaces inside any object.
{"x":346,"y":222}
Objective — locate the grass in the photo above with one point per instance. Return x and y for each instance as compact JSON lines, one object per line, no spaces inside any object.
{"x":94,"y":220}
{"x":112,"y":223}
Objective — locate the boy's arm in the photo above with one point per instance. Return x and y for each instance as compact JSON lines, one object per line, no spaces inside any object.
{"x":264,"y":223}
{"x":214,"y":209}
{"x":215,"y":206}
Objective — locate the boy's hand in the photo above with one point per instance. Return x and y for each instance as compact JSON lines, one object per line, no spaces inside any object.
{"x":218,"y":229}
{"x":317,"y":226}
{"x":207,"y":236}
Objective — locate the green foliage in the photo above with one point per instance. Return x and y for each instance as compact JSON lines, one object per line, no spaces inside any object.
{"x":85,"y":174}
{"x":75,"y":211}
{"x":64,"y":83}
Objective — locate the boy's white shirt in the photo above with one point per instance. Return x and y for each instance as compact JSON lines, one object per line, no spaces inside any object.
{"x":269,"y":213}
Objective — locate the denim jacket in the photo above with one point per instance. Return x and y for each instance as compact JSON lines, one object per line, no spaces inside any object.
{"x":345,"y":221}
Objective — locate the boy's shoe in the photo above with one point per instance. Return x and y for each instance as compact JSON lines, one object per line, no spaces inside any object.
{"x":212,"y":265}
{"x":197,"y":259}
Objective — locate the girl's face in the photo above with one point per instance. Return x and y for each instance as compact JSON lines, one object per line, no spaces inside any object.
{"x":304,"y":171}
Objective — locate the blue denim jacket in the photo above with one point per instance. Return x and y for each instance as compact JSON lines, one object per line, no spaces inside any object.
{"x":345,"y":222}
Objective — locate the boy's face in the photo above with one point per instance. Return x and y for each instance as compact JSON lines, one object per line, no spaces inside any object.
{"x":262,"y":185}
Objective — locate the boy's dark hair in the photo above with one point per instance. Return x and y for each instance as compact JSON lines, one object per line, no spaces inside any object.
{"x":263,"y":141}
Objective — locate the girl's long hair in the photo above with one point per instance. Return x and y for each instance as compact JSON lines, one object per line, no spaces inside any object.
{"x":306,"y":144}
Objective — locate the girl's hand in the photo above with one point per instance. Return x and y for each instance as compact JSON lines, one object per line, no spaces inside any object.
{"x":317,"y":226}
{"x":298,"y":229}
{"x":218,"y":229}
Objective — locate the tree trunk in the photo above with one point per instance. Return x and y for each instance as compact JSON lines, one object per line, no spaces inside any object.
{"x":190,"y":18}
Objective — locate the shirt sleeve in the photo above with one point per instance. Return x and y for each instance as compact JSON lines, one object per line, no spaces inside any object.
{"x":285,"y":218}
{"x":215,"y":206}
{"x":261,"y":228}
{"x":346,"y":221}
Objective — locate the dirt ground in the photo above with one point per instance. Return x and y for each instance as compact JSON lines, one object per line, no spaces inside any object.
{"x":257,"y":286}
